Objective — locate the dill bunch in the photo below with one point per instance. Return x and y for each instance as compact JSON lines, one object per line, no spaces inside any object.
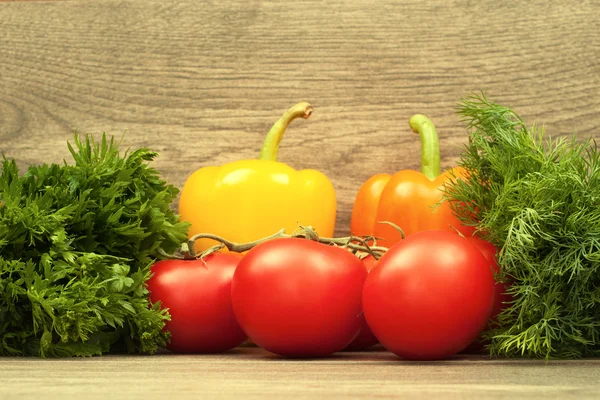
{"x":76,"y":245}
{"x":538,"y":200}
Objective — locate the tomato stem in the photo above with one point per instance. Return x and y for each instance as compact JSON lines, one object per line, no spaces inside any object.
{"x":270,"y":148}
{"x":393,"y":225}
{"x":356,"y":243}
{"x":430,"y":145}
{"x":231,"y":246}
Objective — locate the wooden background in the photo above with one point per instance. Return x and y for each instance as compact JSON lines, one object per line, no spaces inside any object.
{"x":201,"y":82}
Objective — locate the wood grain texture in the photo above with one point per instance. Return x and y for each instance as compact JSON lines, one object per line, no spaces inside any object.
{"x":202,"y":82}
{"x":251,"y":373}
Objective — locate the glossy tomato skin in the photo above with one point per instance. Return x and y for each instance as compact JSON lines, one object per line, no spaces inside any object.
{"x":490,"y":251}
{"x":501,"y":298}
{"x":430,"y":296}
{"x":198,"y":296}
{"x":365,"y":338}
{"x":299,"y":298}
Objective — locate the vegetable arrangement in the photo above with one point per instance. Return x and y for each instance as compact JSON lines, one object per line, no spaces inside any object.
{"x":498,"y":254}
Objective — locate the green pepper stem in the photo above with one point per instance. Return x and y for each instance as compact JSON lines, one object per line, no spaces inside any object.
{"x":430,"y":145}
{"x":270,"y":147}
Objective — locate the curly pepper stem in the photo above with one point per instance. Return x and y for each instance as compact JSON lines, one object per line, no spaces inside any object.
{"x":430,"y":145}
{"x":354,"y":243}
{"x":270,"y":147}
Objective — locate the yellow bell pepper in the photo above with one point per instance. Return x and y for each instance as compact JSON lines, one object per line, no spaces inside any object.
{"x":246,"y":200}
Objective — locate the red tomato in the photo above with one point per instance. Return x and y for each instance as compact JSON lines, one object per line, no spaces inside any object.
{"x":489,"y":252}
{"x":198,"y":296}
{"x":299,"y":298}
{"x":501,"y":298}
{"x":365,"y":338}
{"x":430,"y":296}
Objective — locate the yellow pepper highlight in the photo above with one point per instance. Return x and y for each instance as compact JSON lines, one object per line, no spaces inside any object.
{"x":246,"y":200}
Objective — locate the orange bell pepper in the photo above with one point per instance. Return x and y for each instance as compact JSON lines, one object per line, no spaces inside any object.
{"x":409,"y":199}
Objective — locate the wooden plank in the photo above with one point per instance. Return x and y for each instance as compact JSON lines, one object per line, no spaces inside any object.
{"x":251,"y":373}
{"x":201,"y":82}
{"x":32,"y":1}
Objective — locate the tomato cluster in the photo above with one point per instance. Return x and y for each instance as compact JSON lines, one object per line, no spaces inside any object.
{"x":429,"y":297}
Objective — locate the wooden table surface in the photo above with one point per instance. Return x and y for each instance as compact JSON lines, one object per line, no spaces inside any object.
{"x":251,"y":373}
{"x":202,"y":82}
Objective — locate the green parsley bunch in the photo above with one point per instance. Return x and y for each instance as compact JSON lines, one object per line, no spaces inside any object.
{"x":76,"y":245}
